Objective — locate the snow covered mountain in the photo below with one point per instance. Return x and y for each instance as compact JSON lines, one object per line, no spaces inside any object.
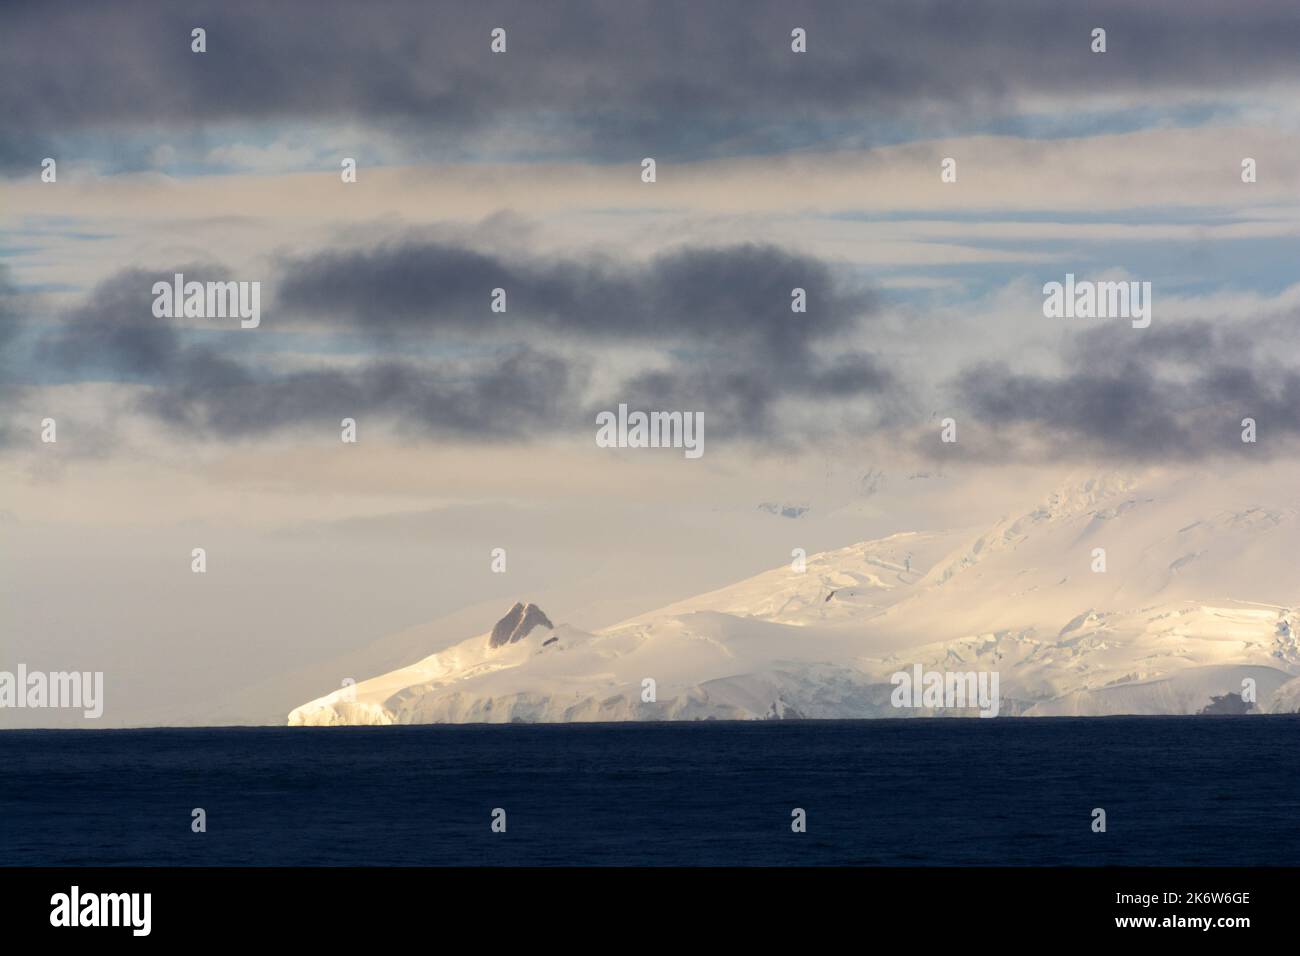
{"x":1161,"y":595}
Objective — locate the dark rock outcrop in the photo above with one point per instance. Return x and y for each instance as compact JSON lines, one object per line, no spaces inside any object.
{"x":518,"y":622}
{"x":1227,"y":704}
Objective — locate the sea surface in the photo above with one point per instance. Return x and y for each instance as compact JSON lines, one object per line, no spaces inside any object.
{"x":1176,"y":791}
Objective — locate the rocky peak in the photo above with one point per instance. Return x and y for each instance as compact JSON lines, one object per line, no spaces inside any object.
{"x":518,"y":623}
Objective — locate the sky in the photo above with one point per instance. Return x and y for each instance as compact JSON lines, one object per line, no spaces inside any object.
{"x":522,"y":170}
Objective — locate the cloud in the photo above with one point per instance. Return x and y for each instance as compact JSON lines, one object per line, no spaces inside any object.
{"x":700,"y":328}
{"x":737,"y":296}
{"x":737,"y":348}
{"x":747,"y":396}
{"x":12,"y":324}
{"x":204,"y":390}
{"x":1176,"y":393}
{"x":9,"y":310}
{"x":112,"y":333}
{"x":672,"y":79}
{"x":520,"y":395}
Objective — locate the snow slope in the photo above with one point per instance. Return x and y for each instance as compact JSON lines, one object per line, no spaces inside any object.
{"x":1200,"y":593}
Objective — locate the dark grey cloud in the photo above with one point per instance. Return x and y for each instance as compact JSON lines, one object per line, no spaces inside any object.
{"x":1176,"y":391}
{"x":205,"y":389}
{"x":1172,"y":392}
{"x":736,"y":296}
{"x":12,"y":324}
{"x":113,"y":333}
{"x":517,"y":395}
{"x":12,"y":321}
{"x":10,"y":314}
{"x":745,"y":394}
{"x":738,"y":349}
{"x":715,"y":323}
{"x":671,"y":78}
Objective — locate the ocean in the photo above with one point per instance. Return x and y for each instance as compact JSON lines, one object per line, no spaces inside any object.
{"x":1186,"y":791}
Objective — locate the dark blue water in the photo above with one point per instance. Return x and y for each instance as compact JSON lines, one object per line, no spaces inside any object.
{"x":1177,"y":791}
